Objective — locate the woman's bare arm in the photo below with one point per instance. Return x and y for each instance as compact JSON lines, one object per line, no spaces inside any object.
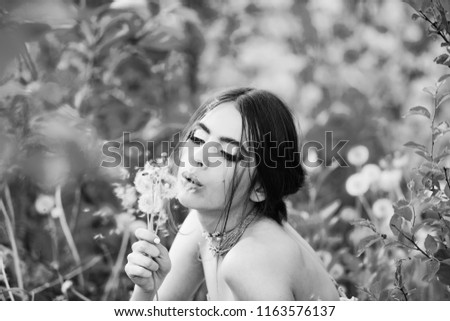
{"x":186,"y":274}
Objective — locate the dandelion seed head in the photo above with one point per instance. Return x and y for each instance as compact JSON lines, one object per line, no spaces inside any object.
{"x":357,"y":185}
{"x":57,"y":212}
{"x":44,"y":204}
{"x":66,"y":286}
{"x":358,"y":155}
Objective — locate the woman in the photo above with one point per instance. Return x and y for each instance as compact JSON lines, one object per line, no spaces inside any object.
{"x":239,"y":161}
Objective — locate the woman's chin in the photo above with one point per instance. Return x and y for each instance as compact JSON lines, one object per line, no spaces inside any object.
{"x":187,"y":200}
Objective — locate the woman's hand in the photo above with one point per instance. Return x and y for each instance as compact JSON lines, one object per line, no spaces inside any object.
{"x":148,"y":263}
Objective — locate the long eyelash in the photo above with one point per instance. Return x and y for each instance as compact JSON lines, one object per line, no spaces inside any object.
{"x":195,"y":139}
{"x":228,"y":157}
{"x":231,"y":158}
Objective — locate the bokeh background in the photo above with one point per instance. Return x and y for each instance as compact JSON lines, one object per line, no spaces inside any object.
{"x":77,"y":74}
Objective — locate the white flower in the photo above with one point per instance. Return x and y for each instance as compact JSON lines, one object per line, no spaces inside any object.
{"x":358,"y":155}
{"x":143,"y":182}
{"x":357,"y":184}
{"x":149,"y":204}
{"x":127,"y":195}
{"x":66,"y":286}
{"x":382,"y":209}
{"x":356,"y":235}
{"x":123,"y":221}
{"x":57,"y":212}
{"x":390,"y":179}
{"x":44,"y":204}
{"x":325,"y":256}
{"x":336,"y":271}
{"x":168,"y":186}
{"x":371,"y":172}
{"x":400,"y":161}
{"x":349,"y":214}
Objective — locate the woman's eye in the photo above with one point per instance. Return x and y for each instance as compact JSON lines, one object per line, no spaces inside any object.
{"x":195,"y":139}
{"x":229,"y":157}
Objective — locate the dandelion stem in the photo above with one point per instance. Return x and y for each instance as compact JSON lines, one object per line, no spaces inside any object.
{"x":9,"y":204}
{"x":68,"y":276}
{"x":79,"y":295}
{"x":11,"y":296}
{"x":12,"y":240}
{"x":76,"y":208}
{"x":68,"y":234}
{"x":367,"y":208}
{"x":111,"y":285}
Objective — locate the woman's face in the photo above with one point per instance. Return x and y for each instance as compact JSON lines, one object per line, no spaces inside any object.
{"x":208,"y":161}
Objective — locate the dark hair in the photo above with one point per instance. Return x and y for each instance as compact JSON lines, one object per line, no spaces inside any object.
{"x":265,"y":120}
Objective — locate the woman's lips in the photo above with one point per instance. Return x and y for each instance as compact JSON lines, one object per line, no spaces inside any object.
{"x":190,"y":182}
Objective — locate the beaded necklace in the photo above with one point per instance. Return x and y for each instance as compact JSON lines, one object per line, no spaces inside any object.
{"x":220,"y":243}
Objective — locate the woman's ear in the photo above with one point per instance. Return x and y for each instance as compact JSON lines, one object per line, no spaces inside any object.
{"x":258,"y":194}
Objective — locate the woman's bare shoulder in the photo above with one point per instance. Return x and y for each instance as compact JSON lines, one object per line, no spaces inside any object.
{"x":259,"y":266}
{"x":263,"y":245}
{"x":278,"y":252}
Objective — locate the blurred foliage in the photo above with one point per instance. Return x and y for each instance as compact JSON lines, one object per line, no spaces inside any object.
{"x":75,"y":74}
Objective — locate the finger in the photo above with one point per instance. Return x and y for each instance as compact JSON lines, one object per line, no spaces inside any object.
{"x":143,"y":261}
{"x":145,"y":248}
{"x":163,"y":259}
{"x":146,"y":235}
{"x":134,"y":271}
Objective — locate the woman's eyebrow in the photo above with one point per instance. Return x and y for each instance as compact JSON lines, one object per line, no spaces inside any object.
{"x":203,"y":126}
{"x":221,"y":138}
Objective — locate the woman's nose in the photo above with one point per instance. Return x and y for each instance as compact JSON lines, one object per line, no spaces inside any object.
{"x":198,"y":156}
{"x":202,"y":154}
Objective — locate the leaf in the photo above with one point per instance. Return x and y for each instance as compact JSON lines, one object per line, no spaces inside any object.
{"x":405,"y":212}
{"x":396,"y":224}
{"x":425,"y":155}
{"x":419,"y":110}
{"x":430,"y":90}
{"x":430,"y":244}
{"x":442,"y":254}
{"x":401,"y":203}
{"x":432,"y":267}
{"x":443,"y":274}
{"x":444,"y":77}
{"x":428,"y":221}
{"x":442,"y":99}
{"x":415,"y":16}
{"x":441,"y":59}
{"x":398,"y":274}
{"x":396,"y":244}
{"x":414,"y":145}
{"x":367,"y":242}
{"x":362,"y":222}
{"x":418,"y":5}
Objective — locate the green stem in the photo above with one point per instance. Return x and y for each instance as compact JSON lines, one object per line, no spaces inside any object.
{"x":9,"y":204}
{"x":76,"y":208}
{"x":79,"y":295}
{"x":367,"y":208}
{"x":12,"y":240}
{"x":11,"y":296}
{"x":425,"y":17}
{"x":68,"y":276}
{"x":68,"y":234}
{"x":416,"y":247}
{"x":110,"y":285}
